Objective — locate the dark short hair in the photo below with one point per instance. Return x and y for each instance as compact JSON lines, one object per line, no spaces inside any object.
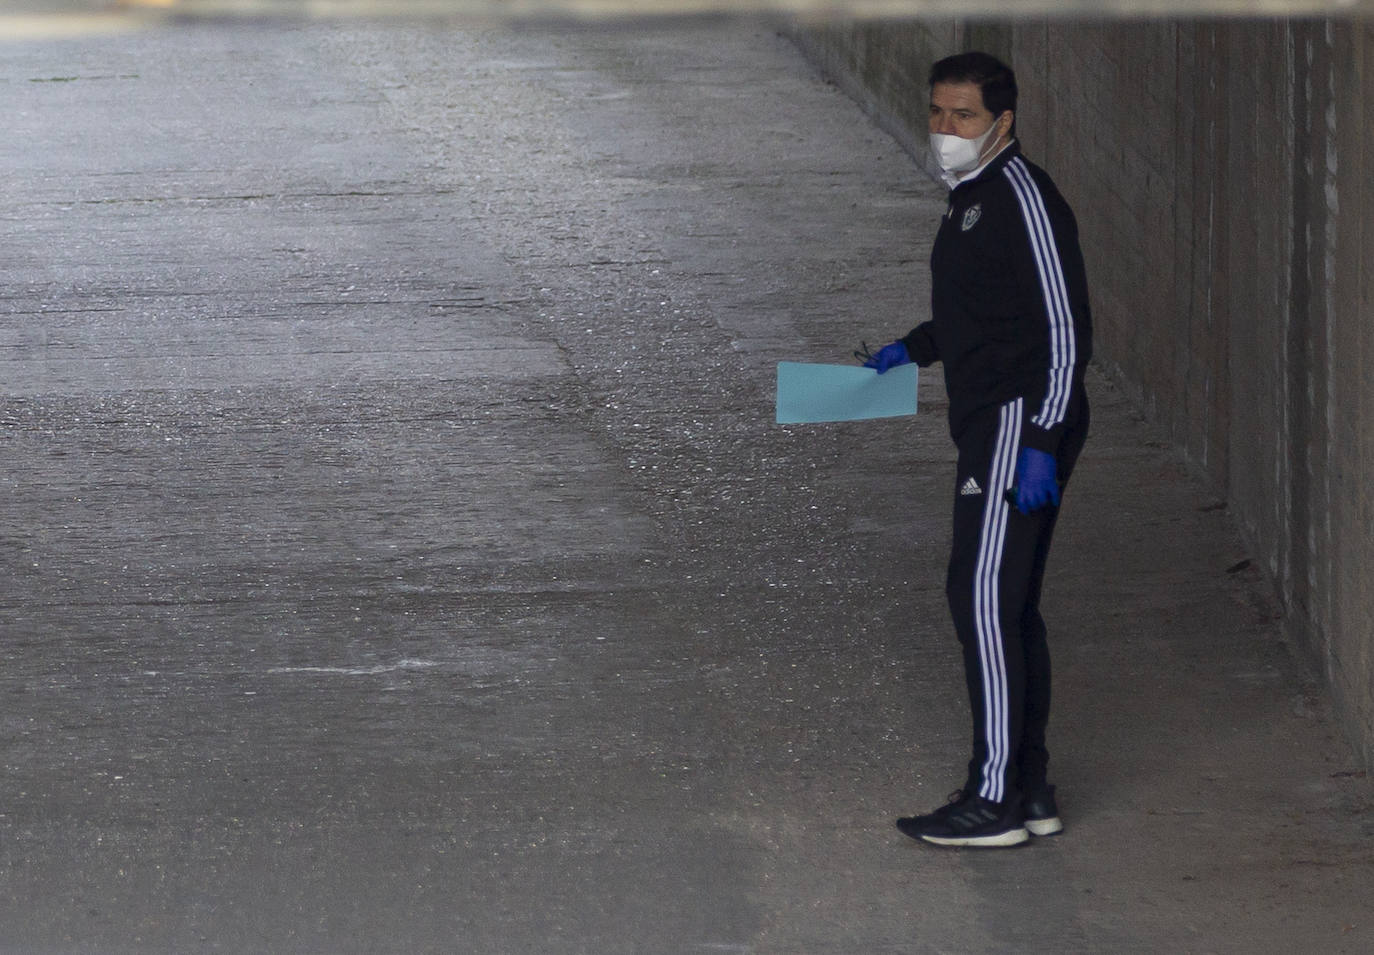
{"x":993,"y":77}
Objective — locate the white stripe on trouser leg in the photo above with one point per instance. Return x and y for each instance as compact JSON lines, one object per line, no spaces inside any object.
{"x":986,"y":603}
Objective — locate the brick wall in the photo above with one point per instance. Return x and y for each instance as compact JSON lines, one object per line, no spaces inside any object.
{"x":1343,"y":435}
{"x":1220,"y":174}
{"x":883,"y":66}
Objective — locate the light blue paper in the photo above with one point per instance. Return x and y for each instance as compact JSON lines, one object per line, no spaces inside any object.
{"x":812,"y":393}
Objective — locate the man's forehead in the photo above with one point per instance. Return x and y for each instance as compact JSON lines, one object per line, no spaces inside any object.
{"x":957,"y":96}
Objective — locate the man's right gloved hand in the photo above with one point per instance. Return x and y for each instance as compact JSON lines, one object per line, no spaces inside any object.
{"x":889,"y":356}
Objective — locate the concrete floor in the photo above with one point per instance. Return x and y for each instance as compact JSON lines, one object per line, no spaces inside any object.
{"x":400,"y":555}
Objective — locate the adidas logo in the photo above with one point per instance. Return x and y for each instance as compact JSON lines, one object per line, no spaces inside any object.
{"x":970,"y":488}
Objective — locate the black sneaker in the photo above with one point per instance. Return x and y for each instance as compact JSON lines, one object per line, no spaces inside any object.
{"x":1042,"y":815}
{"x":969,"y":820}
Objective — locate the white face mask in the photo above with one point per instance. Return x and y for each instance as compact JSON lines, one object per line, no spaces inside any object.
{"x":956,"y":155}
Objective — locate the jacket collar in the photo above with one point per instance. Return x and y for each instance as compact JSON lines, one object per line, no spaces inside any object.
{"x":993,"y":166}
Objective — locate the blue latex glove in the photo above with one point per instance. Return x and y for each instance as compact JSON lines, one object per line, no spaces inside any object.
{"x":889,"y":356}
{"x":1037,"y":480}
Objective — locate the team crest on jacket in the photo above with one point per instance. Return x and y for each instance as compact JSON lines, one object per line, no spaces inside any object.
{"x":971,"y":216}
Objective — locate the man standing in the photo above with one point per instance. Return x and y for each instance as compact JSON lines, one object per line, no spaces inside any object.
{"x":1010,"y":323}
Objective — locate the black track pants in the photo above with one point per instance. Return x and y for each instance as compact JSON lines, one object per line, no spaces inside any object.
{"x":996,"y":568}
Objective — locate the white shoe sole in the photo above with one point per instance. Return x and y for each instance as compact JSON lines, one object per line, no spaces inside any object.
{"x":1044,"y":827}
{"x":1012,"y":837}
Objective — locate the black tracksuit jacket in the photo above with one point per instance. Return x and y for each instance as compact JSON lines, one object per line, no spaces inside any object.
{"x":1009,"y":301}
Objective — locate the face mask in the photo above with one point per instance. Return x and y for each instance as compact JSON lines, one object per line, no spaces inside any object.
{"x":956,"y":155}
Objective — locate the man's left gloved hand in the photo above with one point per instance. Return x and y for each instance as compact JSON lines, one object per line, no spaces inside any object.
{"x":1037,"y":480}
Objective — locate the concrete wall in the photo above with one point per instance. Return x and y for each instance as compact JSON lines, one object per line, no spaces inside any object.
{"x":1220,"y":171}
